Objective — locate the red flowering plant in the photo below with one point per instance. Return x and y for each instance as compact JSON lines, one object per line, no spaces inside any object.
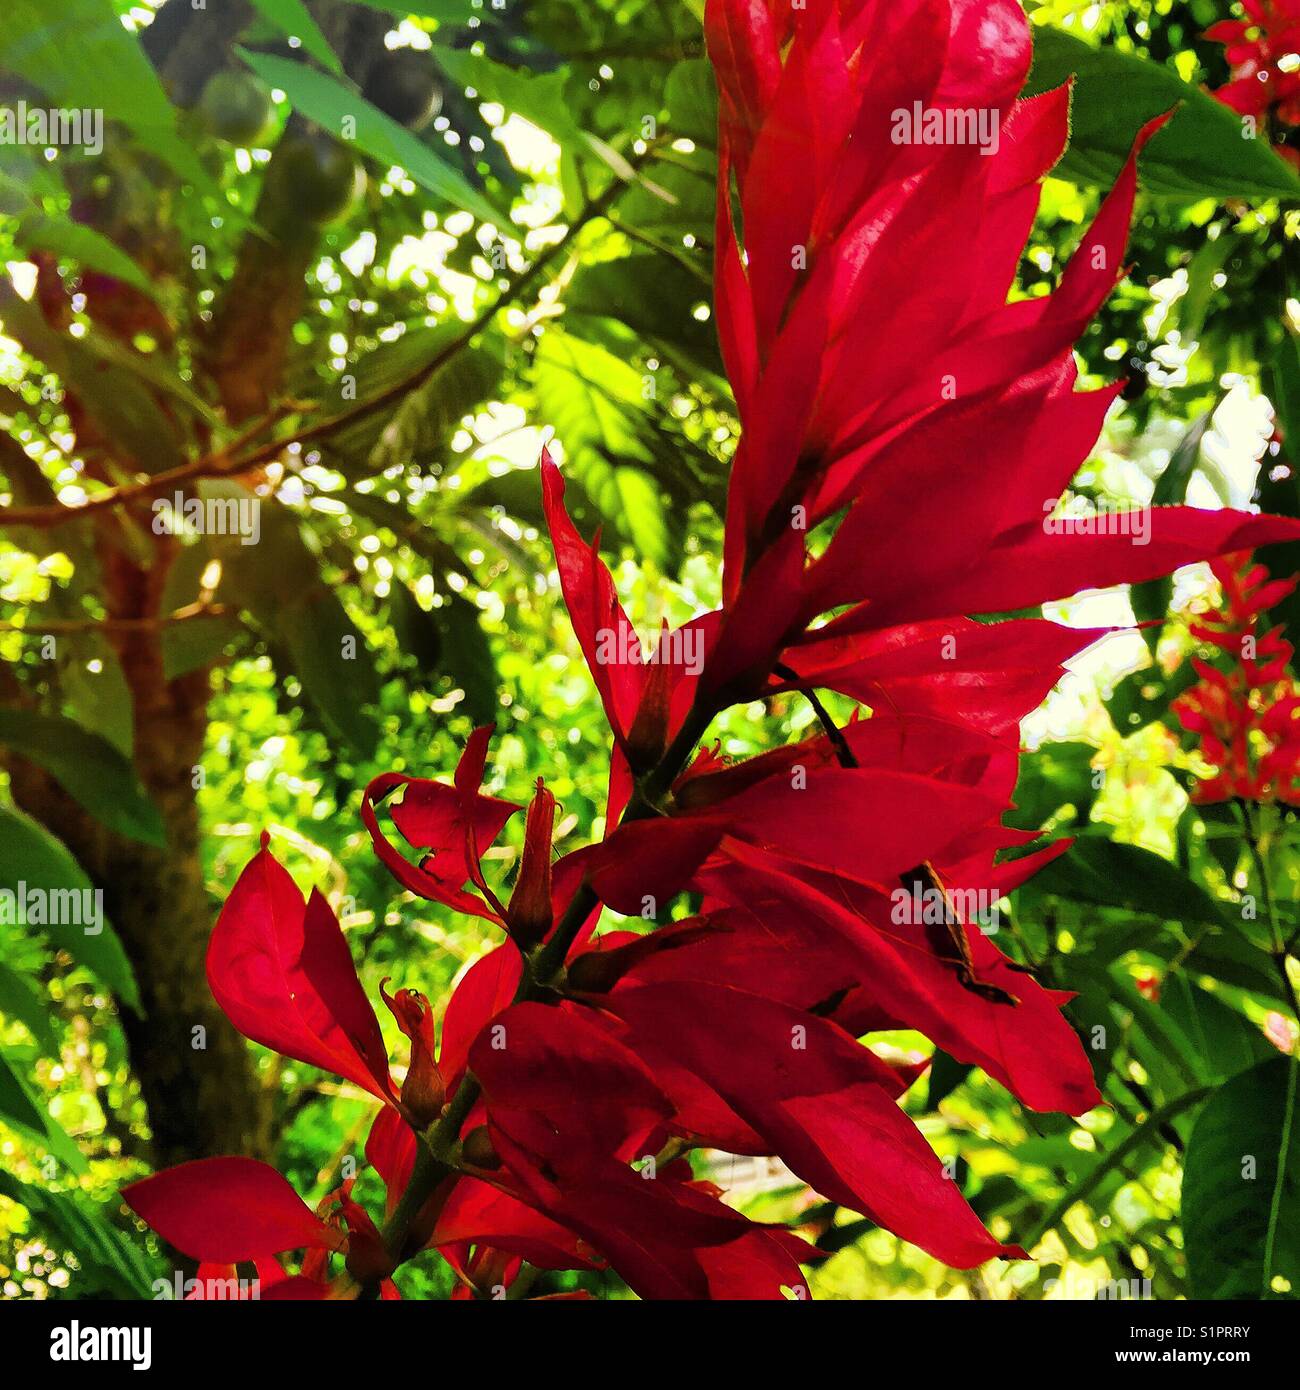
{"x":1263,"y":53}
{"x":1247,"y":718}
{"x":907,"y":430}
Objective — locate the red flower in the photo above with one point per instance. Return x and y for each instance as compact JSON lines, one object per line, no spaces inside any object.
{"x":878,"y":373}
{"x":1248,"y":718}
{"x":1256,"y":49}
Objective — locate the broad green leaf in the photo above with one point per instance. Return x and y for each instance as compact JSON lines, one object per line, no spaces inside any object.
{"x":16,"y":1104}
{"x":100,"y":696}
{"x":946,"y":1074}
{"x":1226,"y":1041}
{"x":1111,"y":874}
{"x":39,"y":232}
{"x":1053,"y":776}
{"x":656,"y":295}
{"x":1201,"y":153}
{"x":279,"y":581}
{"x":1241,"y":1187}
{"x":335,"y":106}
{"x":89,"y":768}
{"x":1145,"y":696}
{"x":590,"y":397}
{"x":20,"y":999}
{"x":19,"y":1107}
{"x":691,"y":96}
{"x":537,"y":97}
{"x":80,"y":55}
{"x":30,"y":854}
{"x":416,"y":630}
{"x":293,"y":18}
{"x":193,"y":644}
{"x":108,"y":1262}
{"x":467,"y":657}
{"x":331,"y":659}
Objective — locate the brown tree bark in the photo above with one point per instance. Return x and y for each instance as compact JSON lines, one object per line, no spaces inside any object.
{"x":195,"y":1072}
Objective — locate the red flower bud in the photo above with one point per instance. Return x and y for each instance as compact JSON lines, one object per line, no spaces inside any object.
{"x":423,"y":1092}
{"x":648,"y":736}
{"x":478,"y":1150}
{"x":529,"y":914}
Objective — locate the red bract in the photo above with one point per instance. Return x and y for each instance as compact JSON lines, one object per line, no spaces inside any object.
{"x":1248,"y":717}
{"x":283,"y":975}
{"x":1256,"y":49}
{"x":875,"y":370}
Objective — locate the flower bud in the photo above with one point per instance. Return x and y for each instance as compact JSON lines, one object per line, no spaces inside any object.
{"x":423,"y":1092}
{"x":478,"y":1150}
{"x":529,"y":914}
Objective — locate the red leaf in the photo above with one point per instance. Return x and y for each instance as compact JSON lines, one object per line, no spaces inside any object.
{"x":225,"y":1210}
{"x":283,"y":975}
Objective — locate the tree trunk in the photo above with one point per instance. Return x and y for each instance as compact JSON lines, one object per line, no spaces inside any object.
{"x":195,"y":1071}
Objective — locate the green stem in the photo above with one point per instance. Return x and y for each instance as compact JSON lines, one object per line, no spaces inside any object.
{"x":1283,"y":1152}
{"x":1281,"y":950}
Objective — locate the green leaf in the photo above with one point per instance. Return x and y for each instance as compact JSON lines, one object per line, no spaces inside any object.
{"x":1144,"y":696}
{"x":1200,"y":154}
{"x":691,"y":95}
{"x":190,"y":645}
{"x":538,"y":97}
{"x":467,"y":657}
{"x":656,"y":295}
{"x":946,"y":1074}
{"x":279,"y":581}
{"x":30,"y":854}
{"x":1241,"y":1186}
{"x":334,"y":663}
{"x":16,"y":1104}
{"x":20,"y":999}
{"x":328,"y":102}
{"x":89,"y":768}
{"x":1055,"y":775}
{"x":1226,"y":1041}
{"x":1111,"y":874}
{"x":292,"y":18}
{"x":108,"y":1264}
{"x":101,"y":695}
{"x":39,"y":232}
{"x":81,"y":57}
{"x":18,"y":1107}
